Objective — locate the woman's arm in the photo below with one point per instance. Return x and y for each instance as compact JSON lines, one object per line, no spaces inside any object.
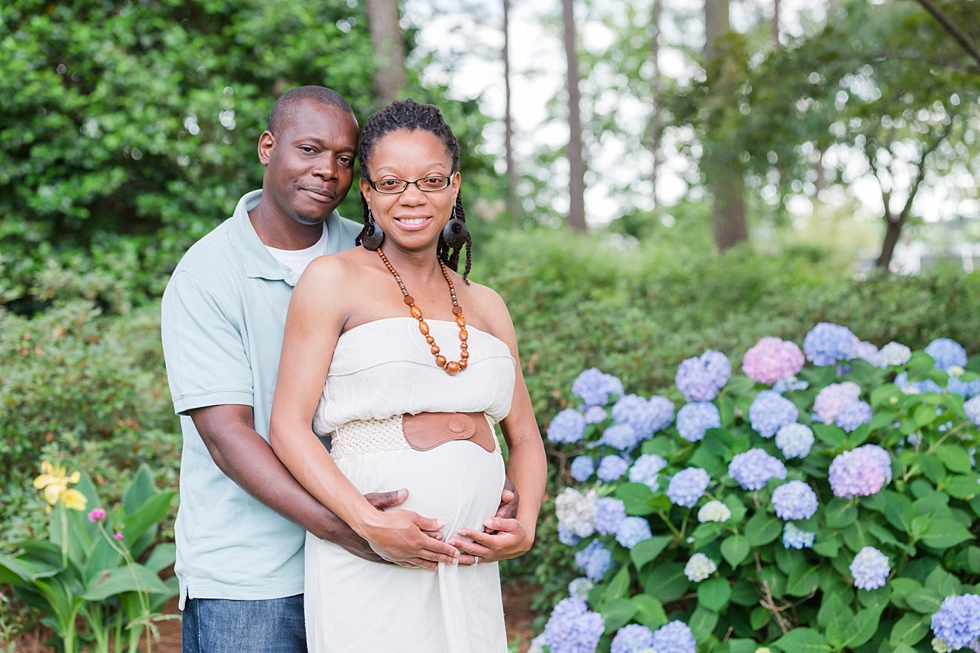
{"x":526,"y":464}
{"x":313,"y":326}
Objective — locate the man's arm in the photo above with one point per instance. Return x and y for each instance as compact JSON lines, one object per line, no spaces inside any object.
{"x":246,"y":458}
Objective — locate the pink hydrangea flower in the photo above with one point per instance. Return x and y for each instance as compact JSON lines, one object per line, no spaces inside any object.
{"x":772,"y":359}
{"x":856,"y":473}
{"x":832,"y":399}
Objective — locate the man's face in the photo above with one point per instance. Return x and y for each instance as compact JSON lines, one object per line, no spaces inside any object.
{"x":310,"y":163}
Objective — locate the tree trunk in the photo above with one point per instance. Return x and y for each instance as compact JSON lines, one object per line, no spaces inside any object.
{"x":513,"y":207}
{"x":576,"y":163}
{"x":775,"y":23}
{"x":389,"y":47}
{"x":724,"y":173}
{"x":656,"y":121}
{"x":893,"y":229}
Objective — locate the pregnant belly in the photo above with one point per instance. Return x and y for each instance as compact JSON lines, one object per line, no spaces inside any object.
{"x":459,"y":482}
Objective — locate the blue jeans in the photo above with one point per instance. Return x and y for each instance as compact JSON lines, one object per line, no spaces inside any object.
{"x":227,"y":626}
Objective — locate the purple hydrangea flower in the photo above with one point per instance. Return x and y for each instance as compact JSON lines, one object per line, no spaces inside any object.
{"x":595,"y":560}
{"x":609,"y":514}
{"x":595,"y":415}
{"x":794,"y":440}
{"x":947,"y":353}
{"x":794,"y":500}
{"x":632,"y":531}
{"x":645,"y":470}
{"x":958,"y":621}
{"x":700,"y":379}
{"x":645,"y":417}
{"x":674,"y":637}
{"x":866,"y":351}
{"x":972,"y":410}
{"x":566,"y":536}
{"x":772,"y":359}
{"x":828,"y":343}
{"x":611,"y":468}
{"x":965,"y":389}
{"x":582,"y":468}
{"x":572,"y":628}
{"x":856,"y":473}
{"x":693,"y":420}
{"x":567,"y":427}
{"x":854,"y":415}
{"x":870,"y":569}
{"x":794,"y":538}
{"x":632,"y":639}
{"x":688,"y":486}
{"x":753,"y":469}
{"x":832,"y":399}
{"x":894,"y":353}
{"x":619,"y":436}
{"x":770,"y":412}
{"x":595,"y":388}
{"x":916,"y":387}
{"x":882,"y":459}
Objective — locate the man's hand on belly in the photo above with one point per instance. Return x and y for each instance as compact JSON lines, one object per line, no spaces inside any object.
{"x":508,"y":501}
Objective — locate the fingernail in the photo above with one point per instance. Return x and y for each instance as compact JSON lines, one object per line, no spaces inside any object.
{"x":488,"y":522}
{"x":440,"y":523}
{"x":402,"y":493}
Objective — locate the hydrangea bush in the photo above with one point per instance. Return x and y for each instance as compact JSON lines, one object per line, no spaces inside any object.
{"x":826,"y":504}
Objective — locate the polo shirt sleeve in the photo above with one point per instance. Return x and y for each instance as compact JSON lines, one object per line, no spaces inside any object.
{"x":204,"y":348}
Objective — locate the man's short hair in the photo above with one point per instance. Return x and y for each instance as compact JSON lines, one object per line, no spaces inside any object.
{"x":285,"y":107}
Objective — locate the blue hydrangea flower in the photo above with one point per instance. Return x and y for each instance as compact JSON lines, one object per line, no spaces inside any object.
{"x":947,"y":353}
{"x":866,"y":351}
{"x":700,"y":379}
{"x":688,"y":486}
{"x":965,"y":389}
{"x":972,"y":410}
{"x":632,"y":639}
{"x":646,"y":417}
{"x":794,"y":500}
{"x":794,"y":440}
{"x":870,"y":569}
{"x":894,"y":354}
{"x":916,"y":387}
{"x":794,"y":538}
{"x":958,"y":621}
{"x":619,"y":436}
{"x":595,"y":388}
{"x":572,"y":628}
{"x":882,"y":459}
{"x":645,"y":470}
{"x":579,"y":588}
{"x":828,"y":343}
{"x":567,"y":427}
{"x":582,"y":468}
{"x":694,"y":419}
{"x":611,"y":468}
{"x":595,"y":560}
{"x":674,"y":637}
{"x":770,"y":412}
{"x":566,"y":536}
{"x":753,"y":469}
{"x":595,"y":415}
{"x":609,"y":514}
{"x":854,"y":415}
{"x":632,"y":531}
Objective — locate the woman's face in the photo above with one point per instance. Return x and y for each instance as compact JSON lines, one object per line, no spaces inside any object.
{"x":412,"y":219}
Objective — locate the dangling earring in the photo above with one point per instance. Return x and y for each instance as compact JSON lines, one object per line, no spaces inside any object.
{"x":371,"y":235}
{"x":455,"y":232}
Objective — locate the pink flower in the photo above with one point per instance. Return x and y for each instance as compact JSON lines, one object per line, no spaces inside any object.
{"x":856,"y":473}
{"x":832,"y":399}
{"x":118,"y":536}
{"x":96,"y":515}
{"x":772,"y":359}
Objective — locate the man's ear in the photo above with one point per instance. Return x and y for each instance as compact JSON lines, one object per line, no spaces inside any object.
{"x":267,"y":142}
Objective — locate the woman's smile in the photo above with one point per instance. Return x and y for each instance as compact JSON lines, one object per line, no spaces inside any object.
{"x":413,"y":223}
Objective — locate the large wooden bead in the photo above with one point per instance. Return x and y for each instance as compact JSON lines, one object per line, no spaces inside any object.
{"x":430,"y":340}
{"x":462,"y":364}
{"x":464,"y":346}
{"x":441,"y":361}
{"x":434,"y":349}
{"x":416,"y":312}
{"x":464,"y":354}
{"x":423,"y":327}
{"x":460,"y":321}
{"x":463,"y":335}
{"x":453,"y":368}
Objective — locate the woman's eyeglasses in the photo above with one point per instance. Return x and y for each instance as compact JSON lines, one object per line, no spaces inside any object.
{"x":426,"y":184}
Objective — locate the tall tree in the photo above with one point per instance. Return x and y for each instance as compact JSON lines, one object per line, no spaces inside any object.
{"x":655,"y":128}
{"x":576,"y":162}
{"x":389,"y":48}
{"x":720,"y":164}
{"x":513,"y":206}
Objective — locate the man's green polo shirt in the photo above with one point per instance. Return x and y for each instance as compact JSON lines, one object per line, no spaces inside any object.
{"x":222,"y":321}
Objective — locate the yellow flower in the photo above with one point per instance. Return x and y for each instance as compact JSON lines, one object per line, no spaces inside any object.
{"x":54,"y":480}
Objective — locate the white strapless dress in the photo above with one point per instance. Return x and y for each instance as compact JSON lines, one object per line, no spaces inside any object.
{"x":380,"y":371}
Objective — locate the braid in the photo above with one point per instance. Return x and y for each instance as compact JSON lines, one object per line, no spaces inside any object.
{"x":409,"y":115}
{"x":365,"y":219}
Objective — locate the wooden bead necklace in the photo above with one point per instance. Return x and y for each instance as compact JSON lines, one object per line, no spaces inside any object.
{"x":451,"y":367}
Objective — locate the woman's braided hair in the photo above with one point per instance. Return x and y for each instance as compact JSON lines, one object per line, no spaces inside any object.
{"x":412,"y":116}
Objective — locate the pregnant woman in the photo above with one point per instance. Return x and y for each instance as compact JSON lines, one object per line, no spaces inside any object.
{"x":407,"y":366}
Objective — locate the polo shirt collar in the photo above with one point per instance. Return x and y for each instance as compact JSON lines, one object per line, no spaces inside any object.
{"x":256,"y":259}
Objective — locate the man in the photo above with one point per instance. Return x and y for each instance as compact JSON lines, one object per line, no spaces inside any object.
{"x":242,"y":519}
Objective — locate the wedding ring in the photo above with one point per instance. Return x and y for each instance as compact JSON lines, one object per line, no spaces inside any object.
{"x":476,"y":560}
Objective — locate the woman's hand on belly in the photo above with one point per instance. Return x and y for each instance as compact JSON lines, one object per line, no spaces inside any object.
{"x":406,"y":536}
{"x":508,"y":539}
